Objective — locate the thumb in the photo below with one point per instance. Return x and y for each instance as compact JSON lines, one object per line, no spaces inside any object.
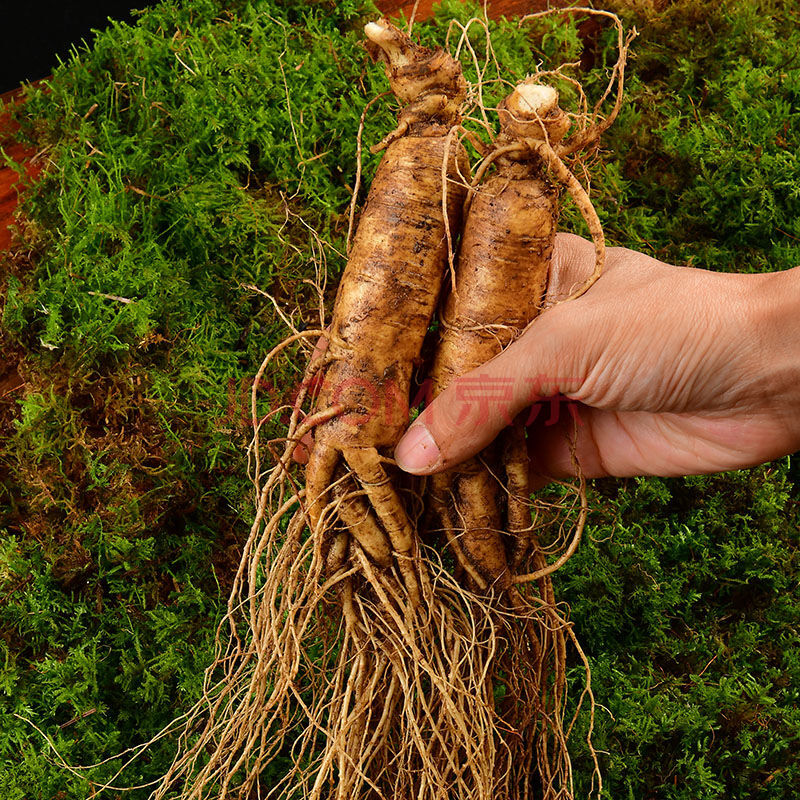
{"x":475,"y":407}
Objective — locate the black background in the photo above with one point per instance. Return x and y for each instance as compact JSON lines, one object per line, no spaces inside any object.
{"x":33,"y":33}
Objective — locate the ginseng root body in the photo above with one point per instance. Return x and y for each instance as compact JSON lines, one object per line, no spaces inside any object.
{"x":501,"y":278}
{"x":483,"y":506}
{"x":388,"y":294}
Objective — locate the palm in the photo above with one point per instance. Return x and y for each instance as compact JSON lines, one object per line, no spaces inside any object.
{"x":640,"y":443}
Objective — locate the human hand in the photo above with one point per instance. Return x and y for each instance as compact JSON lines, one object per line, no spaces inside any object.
{"x":673,"y":370}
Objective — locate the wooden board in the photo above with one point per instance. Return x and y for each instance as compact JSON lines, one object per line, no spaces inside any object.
{"x":9,"y":178}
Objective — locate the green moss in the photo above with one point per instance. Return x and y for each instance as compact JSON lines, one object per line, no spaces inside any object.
{"x":189,"y":157}
{"x":695,"y":583}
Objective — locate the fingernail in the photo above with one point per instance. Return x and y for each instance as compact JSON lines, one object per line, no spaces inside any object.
{"x":416,"y":452}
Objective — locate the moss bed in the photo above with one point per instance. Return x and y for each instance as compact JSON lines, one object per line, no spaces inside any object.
{"x":188,"y":157}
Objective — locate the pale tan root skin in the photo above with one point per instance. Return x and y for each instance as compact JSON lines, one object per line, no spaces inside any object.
{"x":356,"y":515}
{"x":501,"y":278}
{"x":504,"y":260}
{"x":384,"y":304}
{"x":518,"y":503}
{"x":391,"y":513}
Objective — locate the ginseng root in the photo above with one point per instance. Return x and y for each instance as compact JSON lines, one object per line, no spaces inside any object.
{"x":342,"y":654}
{"x":390,"y":287}
{"x":501,"y":279}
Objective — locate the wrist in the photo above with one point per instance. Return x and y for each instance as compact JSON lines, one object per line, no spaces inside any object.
{"x":776,"y":304}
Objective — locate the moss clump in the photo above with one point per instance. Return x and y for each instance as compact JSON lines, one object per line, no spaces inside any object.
{"x":189,"y":157}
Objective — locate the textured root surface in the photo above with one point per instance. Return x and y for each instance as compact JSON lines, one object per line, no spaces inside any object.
{"x":389,"y":509}
{"x":520,"y":523}
{"x":529,"y":665}
{"x":389,"y":290}
{"x":483,"y":506}
{"x":473,"y":524}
